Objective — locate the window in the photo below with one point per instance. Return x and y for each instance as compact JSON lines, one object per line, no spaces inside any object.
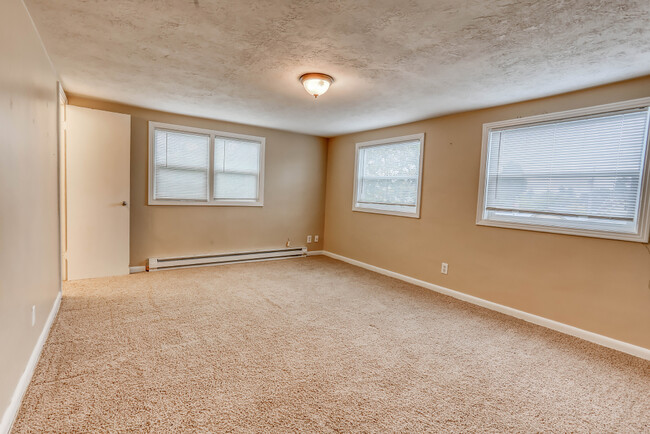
{"x":181,"y":165}
{"x":583,"y":172}
{"x":236,"y":169}
{"x":192,"y":166}
{"x":388,"y":176}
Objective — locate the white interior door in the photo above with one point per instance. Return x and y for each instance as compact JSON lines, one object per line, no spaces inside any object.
{"x":97,"y":172}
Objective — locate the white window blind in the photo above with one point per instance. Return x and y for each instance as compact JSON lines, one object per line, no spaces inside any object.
{"x":181,"y":165}
{"x":195,"y":166}
{"x":582,"y":173}
{"x":388,"y":176}
{"x":236,"y":168}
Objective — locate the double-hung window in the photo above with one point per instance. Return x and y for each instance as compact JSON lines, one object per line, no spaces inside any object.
{"x":193,"y":166}
{"x":388,"y":176}
{"x":583,"y":172}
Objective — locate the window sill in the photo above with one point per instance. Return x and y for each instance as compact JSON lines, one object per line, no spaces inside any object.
{"x":641,"y":237}
{"x":414,"y":215}
{"x":214,"y":203}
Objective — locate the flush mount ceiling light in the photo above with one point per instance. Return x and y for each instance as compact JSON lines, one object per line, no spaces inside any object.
{"x":316,"y":83}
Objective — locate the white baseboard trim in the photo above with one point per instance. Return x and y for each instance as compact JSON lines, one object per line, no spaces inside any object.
{"x":137,"y":269}
{"x":315,"y":252}
{"x":11,"y":411}
{"x":595,"y":338}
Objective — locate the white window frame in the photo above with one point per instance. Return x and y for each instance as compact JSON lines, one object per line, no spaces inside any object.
{"x":644,"y":199}
{"x":372,"y":143}
{"x":210,"y":193}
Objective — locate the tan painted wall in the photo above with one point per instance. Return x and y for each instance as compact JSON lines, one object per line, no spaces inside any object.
{"x":598,"y":285}
{"x":294,"y":192}
{"x":29,"y":225}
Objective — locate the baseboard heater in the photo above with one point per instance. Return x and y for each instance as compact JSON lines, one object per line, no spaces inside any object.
{"x":154,"y":264}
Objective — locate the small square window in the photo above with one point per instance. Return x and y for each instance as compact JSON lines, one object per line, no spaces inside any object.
{"x":388,"y":176}
{"x":181,"y":165}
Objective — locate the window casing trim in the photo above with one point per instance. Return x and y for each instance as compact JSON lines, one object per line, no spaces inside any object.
{"x":391,"y":140}
{"x":210,"y":201}
{"x":643,"y":222}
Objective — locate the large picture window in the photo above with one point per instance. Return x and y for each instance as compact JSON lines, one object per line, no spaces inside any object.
{"x":583,"y":172}
{"x":388,"y":175}
{"x":192,"y":166}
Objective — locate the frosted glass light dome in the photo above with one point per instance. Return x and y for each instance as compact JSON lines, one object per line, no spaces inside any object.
{"x":316,"y":83}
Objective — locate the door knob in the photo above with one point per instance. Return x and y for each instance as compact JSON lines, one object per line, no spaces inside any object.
{"x":124,"y":203}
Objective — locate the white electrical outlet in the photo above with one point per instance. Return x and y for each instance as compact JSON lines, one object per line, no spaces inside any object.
{"x":315,"y":238}
{"x":444,"y":268}
{"x":33,"y":315}
{"x":308,"y":239}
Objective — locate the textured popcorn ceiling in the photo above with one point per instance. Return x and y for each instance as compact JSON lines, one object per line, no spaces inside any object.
{"x":393,"y":61}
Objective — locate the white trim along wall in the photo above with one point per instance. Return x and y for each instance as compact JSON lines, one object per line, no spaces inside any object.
{"x":595,"y":338}
{"x":11,"y":411}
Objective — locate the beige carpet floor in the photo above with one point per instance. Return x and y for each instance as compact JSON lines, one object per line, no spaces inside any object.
{"x":315,"y":345}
